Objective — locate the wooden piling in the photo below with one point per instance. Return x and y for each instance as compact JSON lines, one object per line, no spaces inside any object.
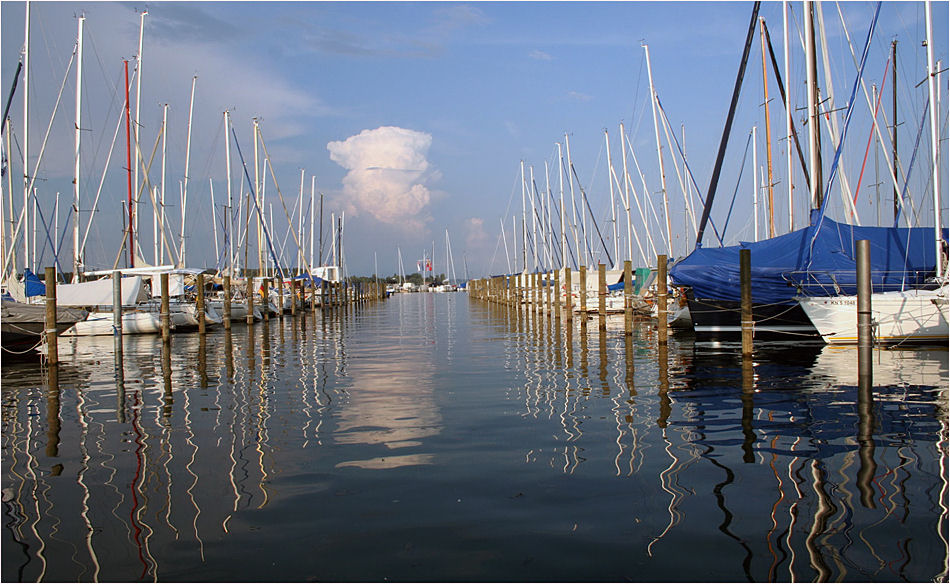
{"x":265,"y":303}
{"x":568,"y":299}
{"x":602,"y":295}
{"x":293,"y":298}
{"x":165,"y":315}
{"x":662,"y":321}
{"x":117,"y":303}
{"x":201,"y":304}
{"x":865,"y":340}
{"x":745,"y":290}
{"x":627,"y":298}
{"x":280,"y":297}
{"x":249,"y":298}
{"x":52,"y":346}
{"x":556,"y":292}
{"x":582,"y":297}
{"x":227,"y":303}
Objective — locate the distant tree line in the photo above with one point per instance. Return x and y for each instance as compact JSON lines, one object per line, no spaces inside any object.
{"x":414,"y":278}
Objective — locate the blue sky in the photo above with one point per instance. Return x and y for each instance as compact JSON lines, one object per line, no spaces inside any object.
{"x":414,"y":117}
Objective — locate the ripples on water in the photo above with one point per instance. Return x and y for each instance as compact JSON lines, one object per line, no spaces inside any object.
{"x":434,"y":438}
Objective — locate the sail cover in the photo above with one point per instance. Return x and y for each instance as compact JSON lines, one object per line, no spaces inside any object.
{"x":99,"y":292}
{"x":818,"y":260}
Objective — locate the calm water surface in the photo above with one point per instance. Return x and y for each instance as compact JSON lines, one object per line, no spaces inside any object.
{"x":434,"y":438}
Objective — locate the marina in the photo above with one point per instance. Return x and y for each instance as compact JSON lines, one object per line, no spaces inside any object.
{"x":437,"y":437}
{"x":591,"y":360}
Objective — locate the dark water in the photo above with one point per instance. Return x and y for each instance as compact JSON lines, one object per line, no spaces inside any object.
{"x":434,"y":438}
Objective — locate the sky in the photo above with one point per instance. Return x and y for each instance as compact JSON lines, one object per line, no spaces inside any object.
{"x":412,"y":119}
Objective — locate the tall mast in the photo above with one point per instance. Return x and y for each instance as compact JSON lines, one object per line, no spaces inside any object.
{"x":814,"y":139}
{"x":755,"y":186}
{"x":77,"y":258}
{"x":214,"y":222}
{"x":613,"y":204}
{"x":626,"y":196}
{"x":934,"y":134}
{"x":161,"y":215}
{"x":560,"y":177}
{"x":191,"y":111}
{"x":313,"y":189}
{"x":227,"y":160}
{"x":570,"y":181}
{"x":534,"y":223}
{"x":128,"y":166}
{"x":659,"y":154}
{"x":258,"y":202}
{"x":788,"y":120}
{"x":524,"y":232}
{"x":300,"y":256}
{"x":894,"y":128}
{"x":138,"y":109}
{"x":26,"y":140}
{"x":320,"y":259}
{"x":768,"y":128}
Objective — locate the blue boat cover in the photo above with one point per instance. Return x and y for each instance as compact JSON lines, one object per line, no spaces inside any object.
{"x":818,"y":260}
{"x":32,"y":285}
{"x":313,"y":280}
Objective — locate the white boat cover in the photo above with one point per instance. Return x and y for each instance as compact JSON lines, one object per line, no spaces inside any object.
{"x":99,"y":292}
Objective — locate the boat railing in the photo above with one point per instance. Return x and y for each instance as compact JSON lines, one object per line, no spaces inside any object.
{"x":844,"y":282}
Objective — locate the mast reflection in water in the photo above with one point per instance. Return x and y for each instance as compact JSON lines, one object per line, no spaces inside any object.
{"x":431,"y":437}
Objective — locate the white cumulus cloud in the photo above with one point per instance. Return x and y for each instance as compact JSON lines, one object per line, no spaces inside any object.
{"x":388,"y":174}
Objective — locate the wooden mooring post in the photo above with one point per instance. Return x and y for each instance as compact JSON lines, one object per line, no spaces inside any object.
{"x":602,"y":296}
{"x":227,"y":303}
{"x":117,"y":305}
{"x":662,"y":322}
{"x":201,"y":304}
{"x":745,"y":297}
{"x":865,"y":339}
{"x":249,"y":298}
{"x":52,"y":354}
{"x":165,"y":314}
{"x":627,"y":298}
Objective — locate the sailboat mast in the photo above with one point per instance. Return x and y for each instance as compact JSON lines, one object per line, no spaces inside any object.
{"x":894,"y":127}
{"x":560,"y":178}
{"x":161,"y":215}
{"x":227,"y":162}
{"x":138,"y":107}
{"x":768,"y":127}
{"x":26,"y":139}
{"x":755,"y":186}
{"x":934,"y":134}
{"x":570,"y":181}
{"x":524,"y":232}
{"x":534,"y":222}
{"x":788,"y":121}
{"x":128,"y":165}
{"x":77,"y":258}
{"x":814,"y":140}
{"x":659,"y":154}
{"x":191,"y":111}
{"x":313,"y":188}
{"x":613,"y":204}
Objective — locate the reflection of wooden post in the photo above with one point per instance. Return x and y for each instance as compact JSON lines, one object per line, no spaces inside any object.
{"x":227,"y":302}
{"x":602,"y":295}
{"x":748,"y":391}
{"x":249,"y":297}
{"x":627,"y":298}
{"x":662,"y":322}
{"x":52,"y":347}
{"x":164,"y":315}
{"x":201,"y":304}
{"x":745,"y":289}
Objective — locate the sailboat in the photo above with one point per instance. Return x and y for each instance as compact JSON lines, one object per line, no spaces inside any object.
{"x":815,"y":261}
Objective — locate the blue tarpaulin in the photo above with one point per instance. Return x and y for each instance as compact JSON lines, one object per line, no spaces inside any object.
{"x":818,"y":260}
{"x":32,"y":285}
{"x":314,"y":280}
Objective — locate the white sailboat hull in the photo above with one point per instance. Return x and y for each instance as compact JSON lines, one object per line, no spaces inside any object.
{"x":910,"y":316}
{"x":100,"y":323}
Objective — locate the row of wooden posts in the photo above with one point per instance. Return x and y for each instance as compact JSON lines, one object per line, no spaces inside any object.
{"x":538,"y":289}
{"x":332,"y":295}
{"x":512,"y":289}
